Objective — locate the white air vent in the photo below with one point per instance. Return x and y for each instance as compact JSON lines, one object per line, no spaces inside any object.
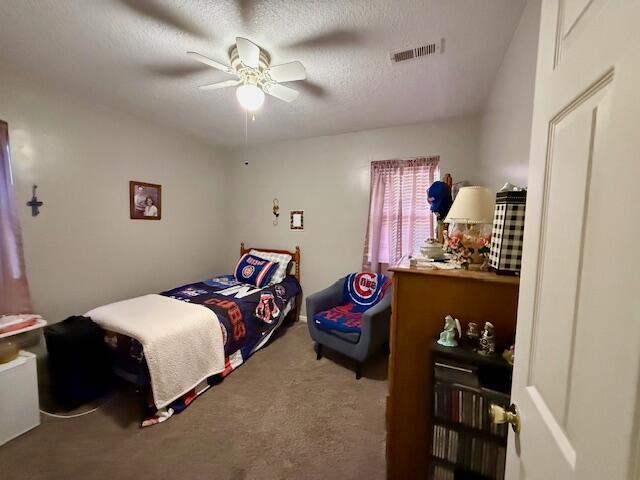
{"x":415,"y":53}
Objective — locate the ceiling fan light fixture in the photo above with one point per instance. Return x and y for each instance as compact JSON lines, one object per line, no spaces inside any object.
{"x":255,"y":76}
{"x":250,"y":96}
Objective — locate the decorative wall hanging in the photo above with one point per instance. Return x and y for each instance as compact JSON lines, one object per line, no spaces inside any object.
{"x":296,"y":220}
{"x":34,"y":203}
{"x":276,"y":211}
{"x":145,"y":201}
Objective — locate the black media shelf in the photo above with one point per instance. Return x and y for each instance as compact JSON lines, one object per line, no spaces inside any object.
{"x":465,"y":444}
{"x":466,"y":354}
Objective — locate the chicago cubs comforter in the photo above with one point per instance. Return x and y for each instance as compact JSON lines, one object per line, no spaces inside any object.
{"x":247,"y":316}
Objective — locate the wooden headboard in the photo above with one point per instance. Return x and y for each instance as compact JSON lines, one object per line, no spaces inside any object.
{"x":295,"y":256}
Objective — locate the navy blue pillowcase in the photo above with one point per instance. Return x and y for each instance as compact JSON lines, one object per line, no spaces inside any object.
{"x":254,"y":270}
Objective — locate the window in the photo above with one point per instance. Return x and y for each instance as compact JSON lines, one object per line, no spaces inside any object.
{"x":400,"y":219}
{"x":14,"y":291}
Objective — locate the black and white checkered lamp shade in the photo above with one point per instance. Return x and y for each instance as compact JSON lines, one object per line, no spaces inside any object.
{"x":508,"y":230}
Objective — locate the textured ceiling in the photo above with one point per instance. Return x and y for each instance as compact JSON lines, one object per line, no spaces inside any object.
{"x":130,"y":54}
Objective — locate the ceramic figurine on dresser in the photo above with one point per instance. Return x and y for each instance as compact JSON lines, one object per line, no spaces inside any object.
{"x":472,"y":333}
{"x":448,"y":335}
{"x":487,"y":340}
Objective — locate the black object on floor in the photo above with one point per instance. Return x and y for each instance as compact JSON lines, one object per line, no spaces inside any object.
{"x":78,"y":361}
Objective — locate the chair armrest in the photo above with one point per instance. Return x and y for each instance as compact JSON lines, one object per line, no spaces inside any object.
{"x":325,"y":299}
{"x":375,"y":321}
{"x":380,"y":309}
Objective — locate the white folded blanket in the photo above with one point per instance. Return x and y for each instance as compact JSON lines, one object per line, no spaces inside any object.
{"x":182,"y":342}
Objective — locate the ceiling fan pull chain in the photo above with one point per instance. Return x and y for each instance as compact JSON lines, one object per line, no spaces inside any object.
{"x":246,"y":137}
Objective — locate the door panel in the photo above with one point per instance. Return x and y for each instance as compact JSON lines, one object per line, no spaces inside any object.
{"x":568,"y":165}
{"x":580,"y":383}
{"x":574,"y":17}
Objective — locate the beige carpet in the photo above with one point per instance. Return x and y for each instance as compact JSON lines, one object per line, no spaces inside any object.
{"x":282,"y":415}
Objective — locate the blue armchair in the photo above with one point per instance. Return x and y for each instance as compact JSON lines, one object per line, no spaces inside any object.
{"x":359,"y":346}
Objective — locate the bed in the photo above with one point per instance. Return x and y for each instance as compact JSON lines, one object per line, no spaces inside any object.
{"x":248,"y":317}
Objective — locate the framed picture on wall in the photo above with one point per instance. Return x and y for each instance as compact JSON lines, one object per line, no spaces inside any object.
{"x":145,"y":201}
{"x":296,"y":220}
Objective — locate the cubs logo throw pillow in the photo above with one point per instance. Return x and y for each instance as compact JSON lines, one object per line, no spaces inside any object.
{"x":254,"y":271}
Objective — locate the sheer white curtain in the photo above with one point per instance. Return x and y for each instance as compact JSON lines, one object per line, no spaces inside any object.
{"x":14,"y":289}
{"x":399,"y":216}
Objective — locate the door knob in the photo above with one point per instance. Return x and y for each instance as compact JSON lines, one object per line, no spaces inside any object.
{"x":509,"y":415}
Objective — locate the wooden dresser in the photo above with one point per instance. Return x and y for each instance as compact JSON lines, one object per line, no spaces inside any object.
{"x":421,"y":300}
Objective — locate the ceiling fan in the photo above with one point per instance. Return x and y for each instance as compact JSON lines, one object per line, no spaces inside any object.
{"x":255,"y":76}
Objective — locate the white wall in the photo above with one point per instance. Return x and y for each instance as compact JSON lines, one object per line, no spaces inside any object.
{"x":506,"y":122}
{"x":83,"y":250}
{"x":328,"y":178}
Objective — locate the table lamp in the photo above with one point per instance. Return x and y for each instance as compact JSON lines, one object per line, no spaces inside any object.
{"x":473,"y":207}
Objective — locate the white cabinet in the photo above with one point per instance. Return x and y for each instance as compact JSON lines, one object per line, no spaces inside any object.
{"x":19,"y":404}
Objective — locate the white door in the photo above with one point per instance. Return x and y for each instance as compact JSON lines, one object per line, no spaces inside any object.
{"x":578,"y":336}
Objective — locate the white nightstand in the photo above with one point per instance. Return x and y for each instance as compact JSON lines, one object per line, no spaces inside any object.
{"x":19,"y":403}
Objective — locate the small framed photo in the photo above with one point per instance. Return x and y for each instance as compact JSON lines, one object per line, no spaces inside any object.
{"x":296,"y":220}
{"x":145,"y":201}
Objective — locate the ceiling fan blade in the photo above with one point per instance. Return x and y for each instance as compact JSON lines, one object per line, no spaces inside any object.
{"x":288,"y":72}
{"x":334,"y":38}
{"x":280,"y":91}
{"x":312,"y":88}
{"x":163,"y":15}
{"x":216,"y":86}
{"x":208,"y":61}
{"x":245,"y":8}
{"x":175,"y":70}
{"x":248,"y":52}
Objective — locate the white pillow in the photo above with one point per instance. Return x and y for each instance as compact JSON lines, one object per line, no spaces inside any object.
{"x":282,"y":259}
